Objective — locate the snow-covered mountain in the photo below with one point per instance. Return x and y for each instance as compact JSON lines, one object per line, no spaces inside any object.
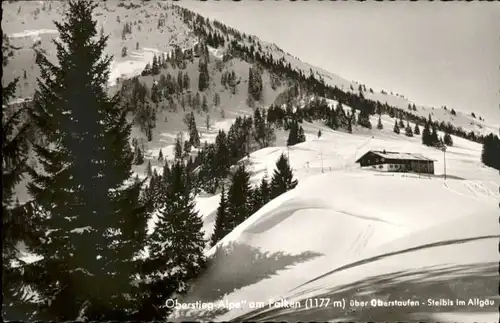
{"x":344,"y":233}
{"x":159,"y":27}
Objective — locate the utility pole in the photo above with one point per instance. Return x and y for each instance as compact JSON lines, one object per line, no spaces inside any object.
{"x":444,"y":160}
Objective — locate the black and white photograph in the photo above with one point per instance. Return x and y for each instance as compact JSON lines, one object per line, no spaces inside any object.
{"x":230,"y":161}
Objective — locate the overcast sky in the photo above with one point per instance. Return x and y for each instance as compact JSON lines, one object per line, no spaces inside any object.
{"x":433,"y":53}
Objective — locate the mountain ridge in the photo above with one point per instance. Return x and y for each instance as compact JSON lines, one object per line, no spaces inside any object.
{"x":177,"y":27}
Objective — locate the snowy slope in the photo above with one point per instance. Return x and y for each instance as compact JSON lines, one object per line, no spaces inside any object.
{"x":37,"y":25}
{"x":337,"y":151}
{"x":321,"y":225}
{"x":29,"y":24}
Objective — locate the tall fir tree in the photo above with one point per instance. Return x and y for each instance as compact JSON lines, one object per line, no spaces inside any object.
{"x":426,"y":135}
{"x":490,"y":154}
{"x":331,"y":120}
{"x":296,"y":134}
{"x":222,"y":155}
{"x":416,"y":130}
{"x":263,"y":131}
{"x":401,"y":123}
{"x":94,"y":222}
{"x":396,"y":127}
{"x":16,"y":220}
{"x":448,"y":141}
{"x":408,"y":130}
{"x":301,"y":137}
{"x":155,"y":68}
{"x":364,"y":119}
{"x":238,"y":199}
{"x":138,"y":156}
{"x":221,"y":228}
{"x":342,"y":120}
{"x":194,"y":137}
{"x":350,"y":118}
{"x":265,"y":190}
{"x":282,"y":180}
{"x":203,"y":78}
{"x":261,"y":195}
{"x":175,"y":247}
{"x":178,"y":150}
{"x":434,"y":136}
{"x":149,"y":170}
{"x":380,"y":126}
{"x":293,"y":134}
{"x":391,"y":112}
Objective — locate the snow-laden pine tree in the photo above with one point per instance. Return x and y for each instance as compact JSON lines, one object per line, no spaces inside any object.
{"x":331,"y":120}
{"x":448,"y":141}
{"x":490,"y":154}
{"x":408,"y":130}
{"x":14,"y":158}
{"x":175,"y":246}
{"x":203,"y":78}
{"x":178,"y":149}
{"x":380,"y":126}
{"x":364,"y":119}
{"x":149,"y":169}
{"x":296,"y":134}
{"x":16,"y":223}
{"x":342,"y":119}
{"x":301,"y":137}
{"x":293,"y":134}
{"x":222,"y":155}
{"x":282,"y":180}
{"x":194,"y":136}
{"x":186,"y":149}
{"x":263,"y":132}
{"x":416,"y":130}
{"x":265,"y":190}
{"x":350,"y":118}
{"x":254,"y":85}
{"x":238,"y":198}
{"x":434,"y":136}
{"x":84,"y":195}
{"x":426,"y":135}
{"x":221,"y":227}
{"x":261,"y":195}
{"x":396,"y":127}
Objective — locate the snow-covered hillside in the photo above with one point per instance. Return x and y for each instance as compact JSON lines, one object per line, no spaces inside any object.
{"x":158,"y":27}
{"x":35,"y":29}
{"x":346,"y":216}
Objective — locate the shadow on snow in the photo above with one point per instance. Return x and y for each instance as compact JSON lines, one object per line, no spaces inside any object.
{"x":450,"y":282}
{"x":233,"y":267}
